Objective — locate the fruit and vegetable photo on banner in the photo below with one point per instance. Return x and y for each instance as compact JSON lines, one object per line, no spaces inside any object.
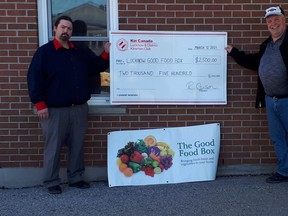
{"x":163,"y":156}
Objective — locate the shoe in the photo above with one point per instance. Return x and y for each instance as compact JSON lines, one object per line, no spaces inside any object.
{"x":277,"y":178}
{"x":80,"y":185}
{"x":55,"y":189}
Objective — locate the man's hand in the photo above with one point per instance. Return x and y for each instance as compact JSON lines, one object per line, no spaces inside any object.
{"x":43,"y":114}
{"x":229,"y":48}
{"x":107,"y":47}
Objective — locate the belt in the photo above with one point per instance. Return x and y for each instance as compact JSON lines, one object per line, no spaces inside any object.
{"x":69,"y":105}
{"x":279,"y":97}
{"x":72,"y":105}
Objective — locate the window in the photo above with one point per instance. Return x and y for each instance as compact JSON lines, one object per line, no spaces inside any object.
{"x":92,"y":21}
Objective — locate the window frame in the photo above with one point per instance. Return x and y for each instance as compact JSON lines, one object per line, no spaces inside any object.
{"x":43,"y":34}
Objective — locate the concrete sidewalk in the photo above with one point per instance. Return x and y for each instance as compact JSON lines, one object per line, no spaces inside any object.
{"x":231,"y":196}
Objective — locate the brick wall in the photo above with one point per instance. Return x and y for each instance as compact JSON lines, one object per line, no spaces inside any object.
{"x":244,"y":133}
{"x":19,"y":129}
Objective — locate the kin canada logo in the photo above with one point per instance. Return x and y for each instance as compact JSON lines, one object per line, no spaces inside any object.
{"x":122,"y":44}
{"x":136,"y":44}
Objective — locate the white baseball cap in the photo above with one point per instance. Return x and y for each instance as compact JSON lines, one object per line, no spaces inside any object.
{"x":274,"y":11}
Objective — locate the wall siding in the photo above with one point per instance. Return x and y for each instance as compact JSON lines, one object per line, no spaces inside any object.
{"x":244,"y":132}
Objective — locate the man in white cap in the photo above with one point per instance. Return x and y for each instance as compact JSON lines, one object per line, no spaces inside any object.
{"x":271,"y":62}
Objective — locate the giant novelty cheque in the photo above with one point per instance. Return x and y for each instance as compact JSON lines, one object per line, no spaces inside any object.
{"x":168,"y":67}
{"x":163,"y":156}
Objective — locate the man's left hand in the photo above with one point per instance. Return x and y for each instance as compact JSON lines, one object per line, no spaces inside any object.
{"x":107,"y":47}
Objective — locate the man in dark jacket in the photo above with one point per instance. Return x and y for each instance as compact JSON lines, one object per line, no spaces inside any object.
{"x":271,"y":62}
{"x":58,"y":84}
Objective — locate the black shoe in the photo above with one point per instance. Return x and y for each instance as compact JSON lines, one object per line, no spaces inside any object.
{"x":80,"y":184}
{"x":277,"y":178}
{"x":55,"y":189}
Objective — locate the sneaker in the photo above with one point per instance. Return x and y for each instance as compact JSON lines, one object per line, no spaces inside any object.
{"x":80,"y":185}
{"x":55,"y":189}
{"x":277,"y":178}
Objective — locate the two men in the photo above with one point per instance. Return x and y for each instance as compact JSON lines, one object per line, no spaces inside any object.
{"x":58,"y":81}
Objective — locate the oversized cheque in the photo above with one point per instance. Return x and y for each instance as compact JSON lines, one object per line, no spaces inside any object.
{"x":168,"y":67}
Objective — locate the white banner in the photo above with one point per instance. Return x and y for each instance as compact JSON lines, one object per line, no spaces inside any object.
{"x":163,"y":156}
{"x":168,"y":67}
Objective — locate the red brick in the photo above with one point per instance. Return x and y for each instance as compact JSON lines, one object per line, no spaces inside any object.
{"x":244,"y":130}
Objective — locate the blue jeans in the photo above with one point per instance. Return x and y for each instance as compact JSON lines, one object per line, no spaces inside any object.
{"x":277,"y":115}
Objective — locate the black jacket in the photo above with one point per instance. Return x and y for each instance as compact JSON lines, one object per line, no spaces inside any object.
{"x":252,"y":61}
{"x":61,"y":77}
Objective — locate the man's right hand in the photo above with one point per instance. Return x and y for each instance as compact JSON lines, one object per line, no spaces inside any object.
{"x":43,"y":114}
